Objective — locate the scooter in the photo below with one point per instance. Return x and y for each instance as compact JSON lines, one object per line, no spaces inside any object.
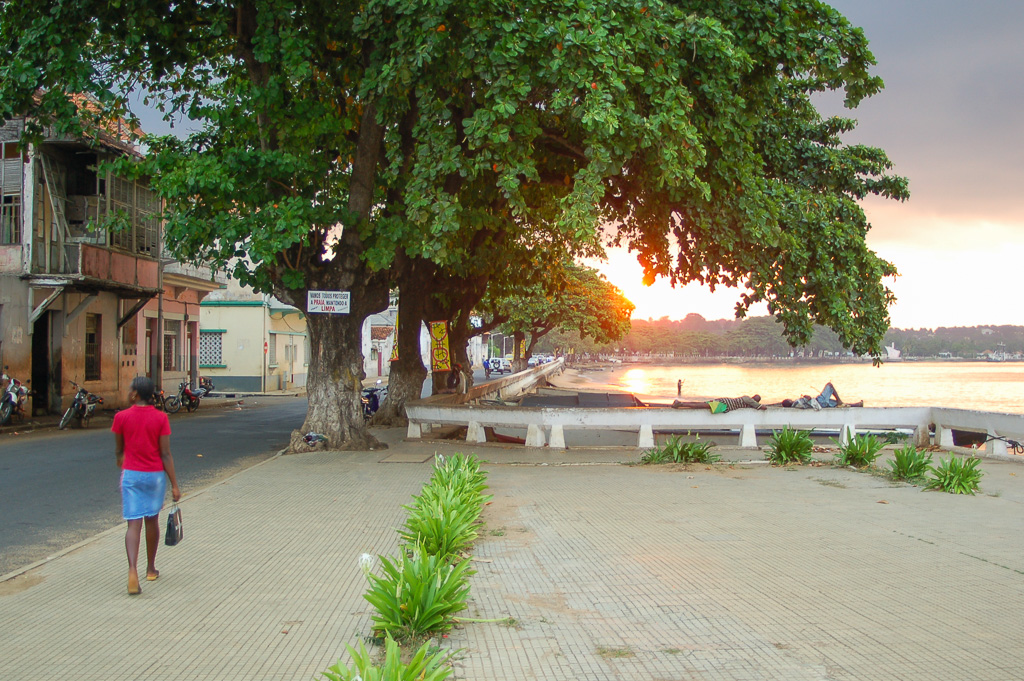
{"x":190,"y":398}
{"x":372,"y":398}
{"x":82,"y":407}
{"x":13,"y":399}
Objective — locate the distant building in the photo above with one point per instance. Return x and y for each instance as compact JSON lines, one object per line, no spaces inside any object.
{"x":250,"y":342}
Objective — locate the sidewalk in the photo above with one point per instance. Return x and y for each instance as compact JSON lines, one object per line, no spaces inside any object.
{"x":610,"y":571}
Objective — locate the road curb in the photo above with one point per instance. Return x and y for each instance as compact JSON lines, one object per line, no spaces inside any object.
{"x":118,"y":528}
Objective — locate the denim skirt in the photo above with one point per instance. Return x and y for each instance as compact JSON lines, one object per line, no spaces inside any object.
{"x":142,"y":493}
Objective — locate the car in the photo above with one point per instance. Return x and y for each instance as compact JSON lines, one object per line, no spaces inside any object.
{"x":499,"y":365}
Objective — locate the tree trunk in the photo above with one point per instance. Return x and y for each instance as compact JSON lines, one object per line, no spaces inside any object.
{"x":405,"y":382}
{"x":334,"y":385}
{"x":458,"y":339}
{"x":518,"y":361}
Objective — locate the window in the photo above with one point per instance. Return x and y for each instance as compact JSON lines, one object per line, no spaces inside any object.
{"x":140,"y":208}
{"x":11,"y":174}
{"x":93,"y":326}
{"x":172,"y":336}
{"x":272,"y":350}
{"x":211,"y":348}
{"x":305,"y":349}
{"x":10,"y":219}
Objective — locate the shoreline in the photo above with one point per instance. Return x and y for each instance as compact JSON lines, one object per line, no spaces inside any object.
{"x":979,"y":385}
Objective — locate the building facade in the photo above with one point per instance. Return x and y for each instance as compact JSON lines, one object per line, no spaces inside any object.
{"x":250,"y":342}
{"x":71,"y":290}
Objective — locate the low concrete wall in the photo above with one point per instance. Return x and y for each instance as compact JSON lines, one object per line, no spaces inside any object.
{"x":547,"y":426}
{"x":501,"y":388}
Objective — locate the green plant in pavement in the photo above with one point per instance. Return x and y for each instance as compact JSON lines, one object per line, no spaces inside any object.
{"x":417,"y":594}
{"x":442,"y":522}
{"x":909,"y":463}
{"x":424,"y":665}
{"x":955,"y":475}
{"x":859,"y":451}
{"x":788,"y":446}
{"x":675,"y":450}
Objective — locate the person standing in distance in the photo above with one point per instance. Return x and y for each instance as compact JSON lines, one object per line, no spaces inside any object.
{"x":142,"y":437}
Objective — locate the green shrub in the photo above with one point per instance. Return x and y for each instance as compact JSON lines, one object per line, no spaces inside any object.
{"x":789,"y":446}
{"x":442,"y":522}
{"x":956,"y":476}
{"x":417,"y":594}
{"x":910,"y":463}
{"x":677,"y":451}
{"x":424,"y":665}
{"x":859,"y":451}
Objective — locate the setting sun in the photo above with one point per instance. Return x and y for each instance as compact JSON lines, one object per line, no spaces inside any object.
{"x":660,"y":299}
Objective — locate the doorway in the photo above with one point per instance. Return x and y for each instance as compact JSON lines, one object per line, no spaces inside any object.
{"x":42,"y":374}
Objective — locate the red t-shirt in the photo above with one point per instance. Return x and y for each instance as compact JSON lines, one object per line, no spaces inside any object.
{"x":142,"y":426}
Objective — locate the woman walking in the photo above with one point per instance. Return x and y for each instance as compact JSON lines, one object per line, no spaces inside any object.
{"x":143,"y":451}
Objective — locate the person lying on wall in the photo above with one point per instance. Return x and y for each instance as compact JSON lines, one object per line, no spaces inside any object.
{"x":828,"y":398}
{"x":721,"y":405}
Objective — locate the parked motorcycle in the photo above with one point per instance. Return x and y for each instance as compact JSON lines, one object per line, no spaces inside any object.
{"x":82,"y":407}
{"x":188,"y":397}
{"x":13,"y":399}
{"x":159,"y":399}
{"x":373,"y":397}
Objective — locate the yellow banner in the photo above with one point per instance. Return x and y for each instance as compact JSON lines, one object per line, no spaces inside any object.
{"x":440,"y":358}
{"x":394,"y":347}
{"x":522,"y":348}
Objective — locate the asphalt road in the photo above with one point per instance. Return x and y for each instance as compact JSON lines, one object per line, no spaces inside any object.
{"x":58,"y":488}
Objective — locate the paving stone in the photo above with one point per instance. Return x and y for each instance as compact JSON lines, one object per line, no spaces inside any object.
{"x":610,"y":571}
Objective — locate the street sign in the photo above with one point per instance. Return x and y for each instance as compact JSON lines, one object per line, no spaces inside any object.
{"x":328,"y":302}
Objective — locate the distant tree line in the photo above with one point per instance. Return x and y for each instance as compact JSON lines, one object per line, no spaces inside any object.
{"x":762,"y":337}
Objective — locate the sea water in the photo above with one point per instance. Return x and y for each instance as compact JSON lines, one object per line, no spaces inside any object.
{"x":986,"y":386}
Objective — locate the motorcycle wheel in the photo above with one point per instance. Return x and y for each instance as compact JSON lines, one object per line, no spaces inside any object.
{"x":66,"y":419}
{"x":193,"y":405}
{"x":5,"y":412}
{"x":172,"y":404}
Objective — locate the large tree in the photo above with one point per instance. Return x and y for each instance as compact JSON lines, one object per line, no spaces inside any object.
{"x":378,"y":129}
{"x":570,"y":298}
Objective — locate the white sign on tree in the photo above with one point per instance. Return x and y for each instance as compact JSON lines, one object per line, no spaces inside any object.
{"x":328,"y":302}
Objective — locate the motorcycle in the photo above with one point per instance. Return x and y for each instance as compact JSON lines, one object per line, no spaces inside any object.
{"x":13,"y":399}
{"x":159,"y":399}
{"x":82,"y":407}
{"x":372,"y":398}
{"x":190,"y":398}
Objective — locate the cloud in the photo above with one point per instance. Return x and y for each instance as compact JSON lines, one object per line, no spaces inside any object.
{"x":948,"y":117}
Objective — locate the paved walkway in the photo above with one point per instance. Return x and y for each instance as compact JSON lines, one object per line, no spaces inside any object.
{"x":611,"y":572}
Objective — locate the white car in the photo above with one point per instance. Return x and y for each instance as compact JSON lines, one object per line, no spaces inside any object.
{"x":500,"y":365}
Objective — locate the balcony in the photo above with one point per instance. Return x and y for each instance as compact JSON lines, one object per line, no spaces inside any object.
{"x":102,"y":268}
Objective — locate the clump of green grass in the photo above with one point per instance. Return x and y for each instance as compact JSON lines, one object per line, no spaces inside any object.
{"x":677,"y":451}
{"x":909,"y":463}
{"x":859,"y":451}
{"x":956,"y":476}
{"x":789,"y":446}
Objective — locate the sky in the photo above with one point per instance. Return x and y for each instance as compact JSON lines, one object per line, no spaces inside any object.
{"x":950,"y":119}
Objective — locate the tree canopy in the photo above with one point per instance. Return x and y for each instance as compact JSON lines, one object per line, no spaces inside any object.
{"x":386,"y":129}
